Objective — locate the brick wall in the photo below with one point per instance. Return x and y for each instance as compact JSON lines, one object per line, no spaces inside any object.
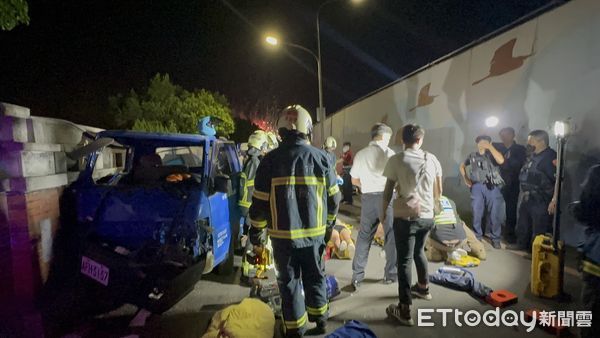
{"x":34,"y":170}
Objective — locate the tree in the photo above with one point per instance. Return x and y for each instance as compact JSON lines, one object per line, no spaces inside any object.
{"x":12,"y":13}
{"x":166,"y":107}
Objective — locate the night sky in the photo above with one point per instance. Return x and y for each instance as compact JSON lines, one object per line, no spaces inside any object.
{"x":75,"y":54}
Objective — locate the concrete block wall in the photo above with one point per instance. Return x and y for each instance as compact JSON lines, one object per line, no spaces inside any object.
{"x":34,"y":169}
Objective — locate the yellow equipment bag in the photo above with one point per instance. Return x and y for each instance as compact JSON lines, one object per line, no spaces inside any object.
{"x":547,"y":267}
{"x":252,"y":318}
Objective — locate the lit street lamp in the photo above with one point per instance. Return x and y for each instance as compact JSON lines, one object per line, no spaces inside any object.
{"x":271,"y":40}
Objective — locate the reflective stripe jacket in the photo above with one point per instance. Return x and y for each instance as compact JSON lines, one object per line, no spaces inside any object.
{"x":247,"y":180}
{"x":296,"y":196}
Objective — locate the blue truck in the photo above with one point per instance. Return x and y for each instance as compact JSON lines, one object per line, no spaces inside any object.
{"x":150,"y":230}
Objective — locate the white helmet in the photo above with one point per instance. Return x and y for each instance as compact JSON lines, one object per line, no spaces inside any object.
{"x":295,"y":118}
{"x":330,"y":143}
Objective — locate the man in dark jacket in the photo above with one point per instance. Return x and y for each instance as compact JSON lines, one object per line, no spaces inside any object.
{"x":514,"y":157}
{"x":295,"y":202}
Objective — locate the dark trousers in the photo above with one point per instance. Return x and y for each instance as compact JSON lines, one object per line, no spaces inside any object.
{"x":489,"y":203}
{"x":511,"y":199}
{"x":301,"y":269}
{"x":410,"y":243}
{"x":347,"y":189}
{"x":590,"y":297}
{"x":369,"y":220}
{"x":532,"y":219}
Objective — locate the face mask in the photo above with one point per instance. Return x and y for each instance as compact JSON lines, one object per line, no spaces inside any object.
{"x":345,"y":149}
{"x":530,"y":149}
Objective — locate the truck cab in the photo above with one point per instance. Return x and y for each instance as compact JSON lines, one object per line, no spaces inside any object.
{"x":151,"y":228}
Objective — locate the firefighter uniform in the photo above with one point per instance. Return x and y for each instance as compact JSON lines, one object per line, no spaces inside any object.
{"x":537,"y":179}
{"x":257,"y":143}
{"x":295,"y":202}
{"x":247,"y":180}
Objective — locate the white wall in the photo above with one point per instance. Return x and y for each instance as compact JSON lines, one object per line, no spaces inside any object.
{"x":560,"y":80}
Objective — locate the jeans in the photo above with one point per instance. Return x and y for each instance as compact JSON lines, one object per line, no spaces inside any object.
{"x":410,"y":243}
{"x":369,"y":220}
{"x":490,"y":203}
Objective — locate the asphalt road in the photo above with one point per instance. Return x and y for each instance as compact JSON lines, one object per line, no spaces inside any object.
{"x":502,"y":270}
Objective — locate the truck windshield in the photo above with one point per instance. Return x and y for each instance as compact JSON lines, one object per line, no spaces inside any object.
{"x":190,"y":157}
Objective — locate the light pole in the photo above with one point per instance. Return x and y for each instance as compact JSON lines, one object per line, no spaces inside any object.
{"x":274,"y":42}
{"x":321,"y":109}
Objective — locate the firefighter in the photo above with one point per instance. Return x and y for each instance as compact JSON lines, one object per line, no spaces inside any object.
{"x":257,"y":145}
{"x":295,"y":202}
{"x":272,"y":141}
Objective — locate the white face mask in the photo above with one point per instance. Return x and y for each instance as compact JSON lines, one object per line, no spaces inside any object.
{"x":345,"y":149}
{"x":385,"y":141}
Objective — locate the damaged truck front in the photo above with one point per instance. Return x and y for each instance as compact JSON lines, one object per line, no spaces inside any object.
{"x":151,"y":228}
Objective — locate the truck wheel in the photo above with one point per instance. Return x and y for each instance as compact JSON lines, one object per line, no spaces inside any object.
{"x":226,"y":267}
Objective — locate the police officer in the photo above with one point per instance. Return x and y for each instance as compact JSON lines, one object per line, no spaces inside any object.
{"x":536,"y":201}
{"x":587,"y":211}
{"x":514,"y":157}
{"x":295,"y":201}
{"x":485,"y":183}
{"x":257,"y":145}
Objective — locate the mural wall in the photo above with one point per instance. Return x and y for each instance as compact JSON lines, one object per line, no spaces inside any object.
{"x":544,"y":70}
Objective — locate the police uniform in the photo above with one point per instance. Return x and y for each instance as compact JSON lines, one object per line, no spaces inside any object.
{"x":247,"y":182}
{"x":537,"y":179}
{"x":486,"y":197}
{"x":295,"y":201}
{"x":514,"y":158}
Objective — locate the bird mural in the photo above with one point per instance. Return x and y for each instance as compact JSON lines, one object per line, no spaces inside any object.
{"x":504,"y":61}
{"x":424,"y":98}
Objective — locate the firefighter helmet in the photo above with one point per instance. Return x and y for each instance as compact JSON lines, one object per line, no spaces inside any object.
{"x":258,"y":140}
{"x":330,"y":143}
{"x":272,"y":141}
{"x":295,"y":118}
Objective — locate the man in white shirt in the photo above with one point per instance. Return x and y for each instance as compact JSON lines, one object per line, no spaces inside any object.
{"x":415,"y":173}
{"x":367,"y":174}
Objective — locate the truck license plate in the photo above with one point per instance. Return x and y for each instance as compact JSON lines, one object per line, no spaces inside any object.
{"x":94,"y":270}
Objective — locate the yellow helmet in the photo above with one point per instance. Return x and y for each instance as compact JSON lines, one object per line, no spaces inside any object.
{"x":297,"y":118}
{"x":258,"y":140}
{"x":330,"y":143}
{"x":272,"y":141}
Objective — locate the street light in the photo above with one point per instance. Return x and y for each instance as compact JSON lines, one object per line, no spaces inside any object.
{"x":273,"y":41}
{"x":321,"y":109}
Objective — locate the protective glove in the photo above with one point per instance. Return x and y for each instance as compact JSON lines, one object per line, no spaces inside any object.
{"x":340,"y":180}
